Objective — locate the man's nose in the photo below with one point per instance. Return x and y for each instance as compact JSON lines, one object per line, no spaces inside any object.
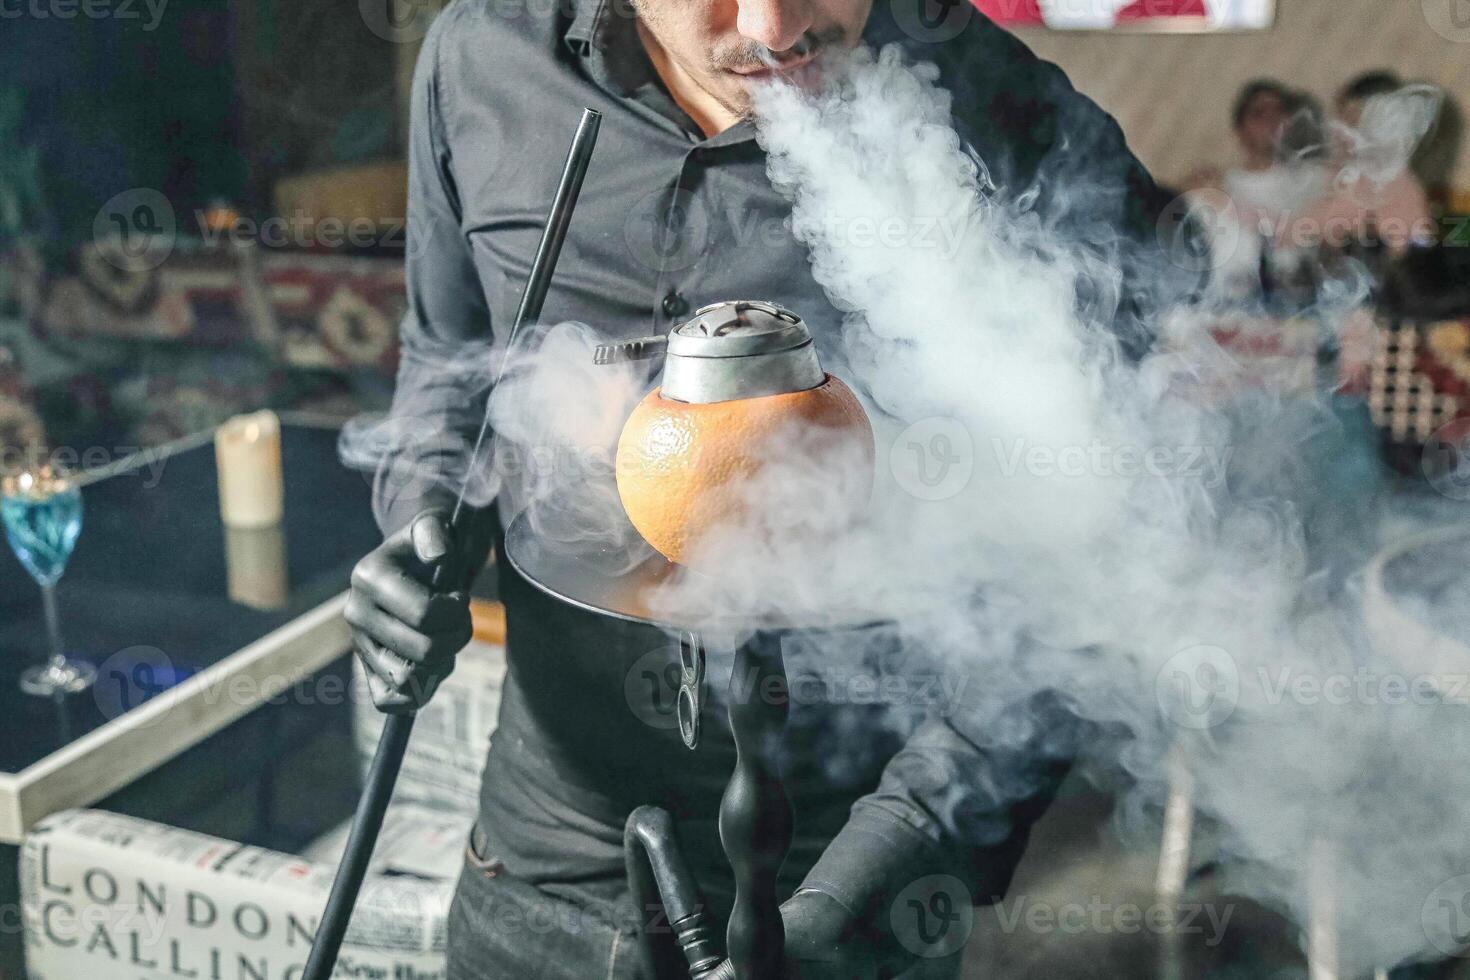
{"x":777,"y":24}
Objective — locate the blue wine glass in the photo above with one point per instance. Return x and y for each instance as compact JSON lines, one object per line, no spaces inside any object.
{"x":42,"y":512}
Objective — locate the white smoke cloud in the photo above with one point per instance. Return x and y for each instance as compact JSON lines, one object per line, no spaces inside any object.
{"x":1194,"y":607}
{"x":1086,"y":548}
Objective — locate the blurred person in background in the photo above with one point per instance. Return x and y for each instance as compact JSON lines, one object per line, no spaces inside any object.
{"x":1368,"y":209}
{"x":1280,"y":133}
{"x":1266,"y":113}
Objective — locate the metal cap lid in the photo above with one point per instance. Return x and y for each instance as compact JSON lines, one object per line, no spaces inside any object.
{"x":738,"y":329}
{"x":737,"y":349}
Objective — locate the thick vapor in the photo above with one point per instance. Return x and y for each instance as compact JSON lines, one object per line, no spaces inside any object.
{"x":1148,"y":540}
{"x":1147,"y":546}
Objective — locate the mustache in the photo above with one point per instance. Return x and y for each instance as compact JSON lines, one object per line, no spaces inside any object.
{"x":748,"y":55}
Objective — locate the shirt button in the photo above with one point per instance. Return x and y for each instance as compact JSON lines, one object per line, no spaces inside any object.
{"x":675,"y":304}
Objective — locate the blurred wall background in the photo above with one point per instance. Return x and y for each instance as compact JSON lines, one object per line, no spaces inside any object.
{"x":1173,"y":93}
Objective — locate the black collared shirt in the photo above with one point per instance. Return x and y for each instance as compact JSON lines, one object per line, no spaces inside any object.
{"x":670,"y":220}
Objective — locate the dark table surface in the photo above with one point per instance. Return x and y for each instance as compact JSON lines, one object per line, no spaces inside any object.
{"x":145,"y":596}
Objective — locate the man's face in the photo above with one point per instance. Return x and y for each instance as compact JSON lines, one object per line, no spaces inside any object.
{"x":1261,"y":125}
{"x":726,"y":46}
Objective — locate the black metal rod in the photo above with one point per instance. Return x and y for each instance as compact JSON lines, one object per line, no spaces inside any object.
{"x":383,"y":774}
{"x":366,"y":823}
{"x":533,"y":297}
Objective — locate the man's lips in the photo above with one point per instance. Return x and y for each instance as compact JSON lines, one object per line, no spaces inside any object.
{"x":764,"y":71}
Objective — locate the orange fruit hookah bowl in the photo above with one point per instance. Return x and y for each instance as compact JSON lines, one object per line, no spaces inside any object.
{"x":741,"y":390}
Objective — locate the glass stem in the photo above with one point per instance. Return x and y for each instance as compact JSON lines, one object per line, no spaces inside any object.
{"x":53,"y":625}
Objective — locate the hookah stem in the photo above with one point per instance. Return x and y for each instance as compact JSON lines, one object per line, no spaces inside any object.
{"x":367,"y":821}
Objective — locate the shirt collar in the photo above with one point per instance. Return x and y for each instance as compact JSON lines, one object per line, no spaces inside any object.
{"x":586,"y":16}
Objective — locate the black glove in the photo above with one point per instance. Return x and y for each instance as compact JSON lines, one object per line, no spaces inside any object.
{"x":823,"y":941}
{"x":406,"y":634}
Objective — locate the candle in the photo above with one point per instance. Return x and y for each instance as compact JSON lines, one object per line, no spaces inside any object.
{"x":247,"y":455}
{"x":255,"y":561}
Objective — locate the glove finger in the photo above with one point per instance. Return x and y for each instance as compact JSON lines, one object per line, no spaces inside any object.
{"x":400,"y":638}
{"x":412,"y":683}
{"x":381,"y":662}
{"x":393,"y":578}
{"x":386,"y":699}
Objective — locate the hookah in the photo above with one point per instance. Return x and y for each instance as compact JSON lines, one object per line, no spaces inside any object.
{"x":762,"y":356}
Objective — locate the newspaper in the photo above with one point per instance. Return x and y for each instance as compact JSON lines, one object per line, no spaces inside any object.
{"x":415,"y":840}
{"x":107,"y":896}
{"x":451,"y":735}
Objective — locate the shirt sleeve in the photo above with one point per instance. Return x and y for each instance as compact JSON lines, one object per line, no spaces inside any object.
{"x":1049,"y":151}
{"x":441,"y":388}
{"x":959,"y":798}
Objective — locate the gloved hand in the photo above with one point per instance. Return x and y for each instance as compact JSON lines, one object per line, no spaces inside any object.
{"x":405,"y":634}
{"x":825,"y":942}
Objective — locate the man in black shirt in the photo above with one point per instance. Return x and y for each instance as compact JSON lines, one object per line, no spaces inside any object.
{"x":676,"y":180}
